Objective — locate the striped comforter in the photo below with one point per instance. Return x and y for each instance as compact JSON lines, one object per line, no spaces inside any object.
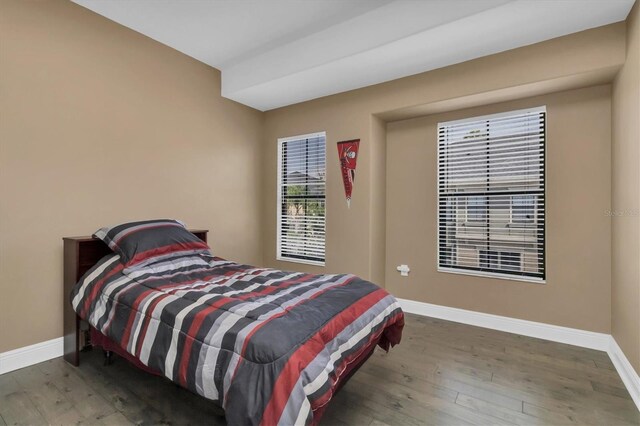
{"x":269,"y":346}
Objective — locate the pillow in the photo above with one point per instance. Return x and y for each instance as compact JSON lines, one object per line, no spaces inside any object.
{"x":140,"y":243}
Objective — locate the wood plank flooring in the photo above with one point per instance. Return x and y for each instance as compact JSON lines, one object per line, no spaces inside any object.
{"x":443,"y":373}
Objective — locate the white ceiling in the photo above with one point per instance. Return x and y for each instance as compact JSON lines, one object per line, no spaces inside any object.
{"x":274,"y":53}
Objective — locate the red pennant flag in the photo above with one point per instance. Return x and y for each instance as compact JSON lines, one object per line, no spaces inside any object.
{"x":348,"y":155}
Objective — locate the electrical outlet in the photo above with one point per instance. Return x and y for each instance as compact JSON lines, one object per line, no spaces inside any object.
{"x":404,"y":270}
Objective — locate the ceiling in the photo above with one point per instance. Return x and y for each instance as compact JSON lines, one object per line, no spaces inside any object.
{"x":274,"y":53}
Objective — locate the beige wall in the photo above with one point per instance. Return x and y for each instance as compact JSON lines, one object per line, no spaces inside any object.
{"x":100,"y":124}
{"x":626,"y":198}
{"x":84,"y":102}
{"x":356,"y":237}
{"x":578,"y":233}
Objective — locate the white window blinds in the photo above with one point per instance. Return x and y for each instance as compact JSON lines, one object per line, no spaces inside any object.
{"x":301,"y":199}
{"x":491,"y":195}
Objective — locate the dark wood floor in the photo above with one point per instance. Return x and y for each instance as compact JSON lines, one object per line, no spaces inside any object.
{"x":443,"y":373}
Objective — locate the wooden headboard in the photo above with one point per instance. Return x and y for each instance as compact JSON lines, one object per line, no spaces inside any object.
{"x":80,"y":254}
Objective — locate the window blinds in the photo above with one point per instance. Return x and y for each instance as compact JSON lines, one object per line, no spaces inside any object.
{"x":491,"y":195}
{"x":301,"y":199}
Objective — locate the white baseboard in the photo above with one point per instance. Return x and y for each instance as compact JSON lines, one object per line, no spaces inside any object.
{"x":32,"y":354}
{"x":630,"y":378}
{"x":554,"y":333}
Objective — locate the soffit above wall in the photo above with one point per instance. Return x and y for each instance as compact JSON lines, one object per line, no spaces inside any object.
{"x":575,"y":81}
{"x":274,"y":53}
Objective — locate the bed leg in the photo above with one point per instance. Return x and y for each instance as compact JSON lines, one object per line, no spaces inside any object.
{"x":108,"y":358}
{"x":72,"y":340}
{"x":87,"y":345}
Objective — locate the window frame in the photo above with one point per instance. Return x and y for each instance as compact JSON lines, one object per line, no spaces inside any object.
{"x":279,"y":255}
{"x":536,"y":224}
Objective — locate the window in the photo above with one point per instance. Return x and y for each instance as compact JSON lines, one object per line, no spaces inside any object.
{"x":301,"y":199}
{"x":523,"y":209}
{"x":477,"y":209}
{"x":491,"y":259}
{"x":510,"y":261}
{"x":491,"y":195}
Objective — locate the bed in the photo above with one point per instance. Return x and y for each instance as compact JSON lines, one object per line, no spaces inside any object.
{"x":267,"y":346}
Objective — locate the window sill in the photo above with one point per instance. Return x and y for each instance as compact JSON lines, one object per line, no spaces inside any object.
{"x":498,"y":276}
{"x":303,"y":261}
